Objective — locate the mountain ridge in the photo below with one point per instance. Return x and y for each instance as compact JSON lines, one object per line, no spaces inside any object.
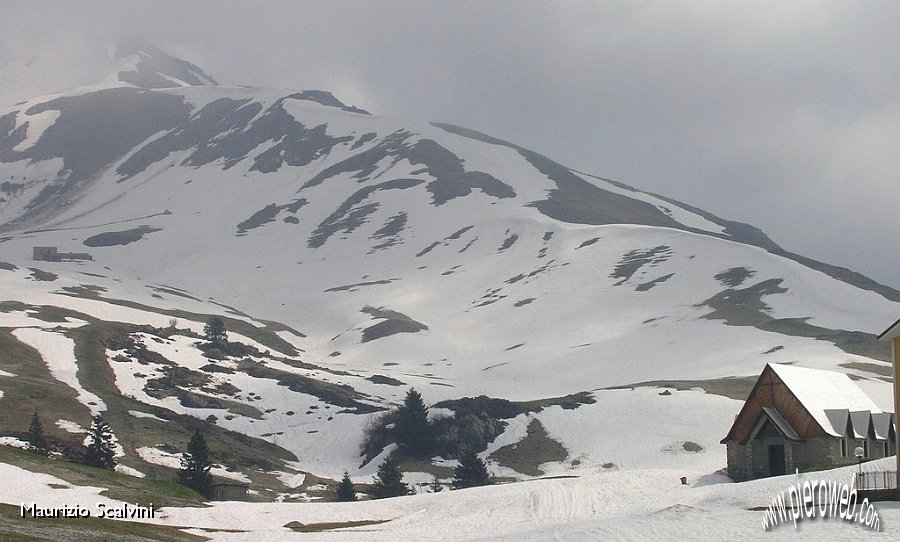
{"x":394,"y":254}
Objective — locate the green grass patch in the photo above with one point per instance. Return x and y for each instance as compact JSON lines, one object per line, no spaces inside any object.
{"x":47,"y":313}
{"x":32,"y":390}
{"x":119,"y":486}
{"x":41,"y":275}
{"x":340,"y":395}
{"x":13,"y":527}
{"x":392,"y":322}
{"x":424,"y":465}
{"x":298,"y":527}
{"x":527,"y":455}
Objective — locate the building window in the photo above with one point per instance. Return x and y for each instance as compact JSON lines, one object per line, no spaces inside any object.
{"x":844,"y":447}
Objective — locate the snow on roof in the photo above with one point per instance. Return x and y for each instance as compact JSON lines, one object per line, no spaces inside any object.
{"x":860,"y":421}
{"x":882,"y":424}
{"x":819,"y":391}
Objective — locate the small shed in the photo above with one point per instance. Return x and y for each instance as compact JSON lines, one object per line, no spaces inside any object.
{"x":800,"y":418}
{"x":230,"y":490}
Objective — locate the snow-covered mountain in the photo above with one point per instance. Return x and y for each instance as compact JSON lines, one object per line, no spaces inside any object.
{"x":421,"y":254}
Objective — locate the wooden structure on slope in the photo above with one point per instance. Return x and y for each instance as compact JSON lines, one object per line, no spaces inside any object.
{"x":799,"y":418}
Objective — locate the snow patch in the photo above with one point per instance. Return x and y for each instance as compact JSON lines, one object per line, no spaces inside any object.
{"x":70,"y":426}
{"x":58,"y":352}
{"x":37,"y":124}
{"x":291,"y":480}
{"x":173,"y":461}
{"x":139,"y":414}
{"x":125,"y":469}
{"x":14,"y":442}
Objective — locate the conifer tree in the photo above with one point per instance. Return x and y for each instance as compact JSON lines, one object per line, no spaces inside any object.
{"x":195,"y":465}
{"x":412,"y":430}
{"x":214,"y":330}
{"x":470,"y":472}
{"x":436,"y":486}
{"x":389,"y":481}
{"x":37,"y":442}
{"x":345,"y":490}
{"x":101,"y":448}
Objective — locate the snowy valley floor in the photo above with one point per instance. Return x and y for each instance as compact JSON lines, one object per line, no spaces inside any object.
{"x":641,"y":504}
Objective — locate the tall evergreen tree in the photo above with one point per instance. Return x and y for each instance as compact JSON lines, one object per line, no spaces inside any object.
{"x":412,"y":430}
{"x":195,"y":465}
{"x":214,"y":330}
{"x":345,"y":490}
{"x":37,"y":442}
{"x":389,"y":481}
{"x":101,"y":448}
{"x":470,"y":472}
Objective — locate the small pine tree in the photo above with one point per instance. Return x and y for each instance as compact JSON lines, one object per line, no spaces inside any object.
{"x":436,"y":486}
{"x":37,"y":442}
{"x":389,"y":481}
{"x":412,"y":430}
{"x":195,"y":465}
{"x":101,"y":448}
{"x":215,"y":331}
{"x":470,"y":472}
{"x":345,"y":490}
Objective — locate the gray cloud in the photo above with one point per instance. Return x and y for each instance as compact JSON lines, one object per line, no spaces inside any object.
{"x":783,"y":115}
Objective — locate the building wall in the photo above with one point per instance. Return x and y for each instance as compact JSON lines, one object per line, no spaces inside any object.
{"x":896,"y":356}
{"x":737,"y":461}
{"x":751,"y":461}
{"x":45,"y":254}
{"x":229,"y":493}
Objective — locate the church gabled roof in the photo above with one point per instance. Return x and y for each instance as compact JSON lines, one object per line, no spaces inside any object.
{"x":819,"y":391}
{"x":807,"y":403}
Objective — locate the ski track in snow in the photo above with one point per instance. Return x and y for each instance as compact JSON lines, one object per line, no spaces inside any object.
{"x":648,"y":504}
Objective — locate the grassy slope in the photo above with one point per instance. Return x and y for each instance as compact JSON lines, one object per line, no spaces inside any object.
{"x":34,"y":389}
{"x":15,"y":528}
{"x":228,"y":447}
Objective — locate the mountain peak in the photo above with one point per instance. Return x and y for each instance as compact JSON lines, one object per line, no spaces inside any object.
{"x":146,"y":66}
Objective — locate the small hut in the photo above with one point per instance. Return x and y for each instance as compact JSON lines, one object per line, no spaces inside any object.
{"x":229,"y":490}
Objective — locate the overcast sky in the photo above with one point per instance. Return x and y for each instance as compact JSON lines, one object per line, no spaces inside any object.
{"x":785,"y":115}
